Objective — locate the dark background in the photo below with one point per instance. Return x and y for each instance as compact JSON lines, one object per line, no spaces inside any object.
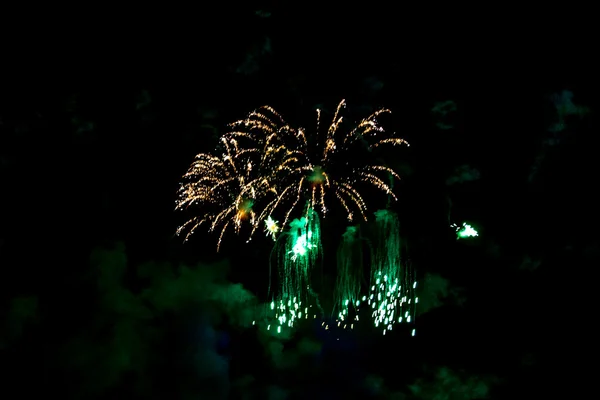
{"x":102,"y":112}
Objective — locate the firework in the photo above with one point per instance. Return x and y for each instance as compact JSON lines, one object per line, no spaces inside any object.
{"x":325,"y":166}
{"x":218,"y":184}
{"x":267,"y":167}
{"x":464,"y":231}
{"x":350,"y":270}
{"x":227,"y":189}
{"x":271,"y":227}
{"x":392,"y":297}
{"x":296,"y":254}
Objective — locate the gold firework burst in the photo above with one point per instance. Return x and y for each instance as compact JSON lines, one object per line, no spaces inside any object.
{"x":268,"y":166}
{"x":330,"y":168}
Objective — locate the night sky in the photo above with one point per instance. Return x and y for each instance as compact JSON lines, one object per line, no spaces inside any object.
{"x":101,"y":115}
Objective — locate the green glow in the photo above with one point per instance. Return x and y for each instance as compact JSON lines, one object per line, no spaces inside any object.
{"x":465,"y":231}
{"x":297,"y":254}
{"x":301,"y":246}
{"x":392,"y":297}
{"x":244,"y":208}
{"x":304,"y":241}
{"x":349,"y":277}
{"x":317,"y":175}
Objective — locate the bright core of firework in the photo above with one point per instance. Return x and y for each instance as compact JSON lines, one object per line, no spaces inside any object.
{"x":268,"y":167}
{"x":464,"y":231}
{"x":271,"y":227}
{"x":317,"y":176}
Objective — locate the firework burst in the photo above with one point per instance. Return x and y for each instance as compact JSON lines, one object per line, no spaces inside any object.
{"x":267,"y":166}
{"x":333,"y":166}
{"x":219,"y":185}
{"x":228,"y":189}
